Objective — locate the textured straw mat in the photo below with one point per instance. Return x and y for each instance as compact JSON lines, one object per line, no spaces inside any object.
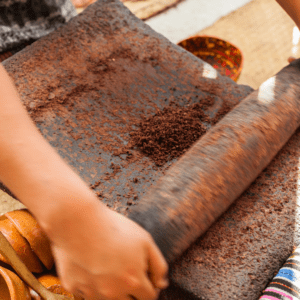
{"x":264,"y":33}
{"x":144,"y":9}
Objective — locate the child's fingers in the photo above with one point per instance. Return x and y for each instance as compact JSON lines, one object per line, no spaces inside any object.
{"x":158,"y":268}
{"x":291,"y":59}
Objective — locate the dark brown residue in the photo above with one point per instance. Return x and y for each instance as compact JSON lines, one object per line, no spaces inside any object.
{"x":171,"y":131}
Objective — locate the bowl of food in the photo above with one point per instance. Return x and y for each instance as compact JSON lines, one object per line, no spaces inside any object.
{"x":20,"y":245}
{"x":226,"y":58}
{"x":30,"y":230}
{"x":53,"y":284}
{"x":12,"y":287}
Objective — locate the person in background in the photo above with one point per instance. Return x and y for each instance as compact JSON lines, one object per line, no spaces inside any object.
{"x":99,"y":254}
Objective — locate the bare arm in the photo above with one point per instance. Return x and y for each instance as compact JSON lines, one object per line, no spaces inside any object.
{"x":29,"y":166}
{"x":96,"y":250}
{"x":292,"y":7}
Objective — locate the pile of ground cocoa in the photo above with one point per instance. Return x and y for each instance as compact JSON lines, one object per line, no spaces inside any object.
{"x":171,"y":131}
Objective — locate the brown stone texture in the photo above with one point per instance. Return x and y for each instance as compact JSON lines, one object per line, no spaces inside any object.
{"x":88,"y":84}
{"x":220,"y":166}
{"x":248,"y":244}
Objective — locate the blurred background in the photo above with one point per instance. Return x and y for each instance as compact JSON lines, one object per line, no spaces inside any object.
{"x":262,"y":31}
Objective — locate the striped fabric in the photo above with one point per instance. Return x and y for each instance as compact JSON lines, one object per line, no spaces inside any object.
{"x":286,"y":284}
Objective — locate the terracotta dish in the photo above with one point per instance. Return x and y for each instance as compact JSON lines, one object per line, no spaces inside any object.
{"x":222,"y":55}
{"x":12,"y":287}
{"x":29,"y":228}
{"x":20,"y":245}
{"x":10,"y":254}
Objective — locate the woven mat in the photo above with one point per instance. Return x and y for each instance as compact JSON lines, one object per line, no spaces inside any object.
{"x":145,"y":9}
{"x":264,"y":33}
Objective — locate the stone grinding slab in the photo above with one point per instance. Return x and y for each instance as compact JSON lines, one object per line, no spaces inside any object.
{"x":86,"y":83}
{"x":245,"y":248}
{"x":220,"y":165}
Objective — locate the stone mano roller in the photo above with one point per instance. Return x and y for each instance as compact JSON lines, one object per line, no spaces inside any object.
{"x":207,"y":179}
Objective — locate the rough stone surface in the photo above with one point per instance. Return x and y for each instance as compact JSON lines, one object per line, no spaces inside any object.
{"x":219,"y":167}
{"x":245,"y":248}
{"x":85,"y":86}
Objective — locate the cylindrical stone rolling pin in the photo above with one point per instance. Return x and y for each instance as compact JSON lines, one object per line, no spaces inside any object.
{"x":220,"y":166}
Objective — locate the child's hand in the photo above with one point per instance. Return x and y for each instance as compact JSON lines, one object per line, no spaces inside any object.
{"x":107,"y":256}
{"x":98,"y":252}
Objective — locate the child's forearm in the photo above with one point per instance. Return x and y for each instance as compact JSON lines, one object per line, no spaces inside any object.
{"x":20,"y":140}
{"x":29,"y":166}
{"x":97,"y":251}
{"x":292,"y":7}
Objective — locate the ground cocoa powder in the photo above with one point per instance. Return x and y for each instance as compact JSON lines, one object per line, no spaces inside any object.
{"x":171,"y":131}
